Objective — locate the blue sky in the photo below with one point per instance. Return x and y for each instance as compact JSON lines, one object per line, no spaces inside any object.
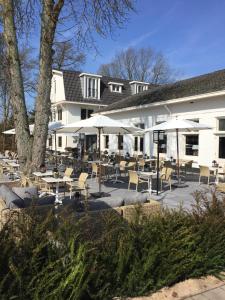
{"x":190,"y":33}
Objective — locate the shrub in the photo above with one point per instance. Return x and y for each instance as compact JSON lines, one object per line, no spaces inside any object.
{"x":101,"y":256}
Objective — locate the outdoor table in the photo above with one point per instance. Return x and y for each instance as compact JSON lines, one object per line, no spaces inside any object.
{"x":48,"y":173}
{"x":149,"y":176}
{"x":57,"y":181}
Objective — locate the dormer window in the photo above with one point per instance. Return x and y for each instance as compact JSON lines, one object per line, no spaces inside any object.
{"x":115,"y":87}
{"x":90,"y":84}
{"x":138,"y":86}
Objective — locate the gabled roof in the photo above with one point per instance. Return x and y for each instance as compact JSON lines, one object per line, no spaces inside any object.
{"x":207,"y":83}
{"x":73,"y":89}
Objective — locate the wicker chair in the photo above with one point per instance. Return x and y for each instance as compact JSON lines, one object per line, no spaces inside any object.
{"x":134,"y":179}
{"x":95,"y":170}
{"x":166,"y":176}
{"x":122,"y":167}
{"x":141,"y":164}
{"x":204,"y":172}
{"x":79,"y":185}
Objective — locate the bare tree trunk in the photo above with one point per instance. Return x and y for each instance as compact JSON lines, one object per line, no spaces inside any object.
{"x":49,"y":20}
{"x":17,"y":90}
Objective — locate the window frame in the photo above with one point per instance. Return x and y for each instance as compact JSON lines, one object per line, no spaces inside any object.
{"x":195,"y":151}
{"x":59,"y":114}
{"x":106,"y":141}
{"x":60,"y":141}
{"x":218,"y":124}
{"x":120,"y":142}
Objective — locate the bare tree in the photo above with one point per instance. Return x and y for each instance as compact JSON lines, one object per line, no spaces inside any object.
{"x":142,"y":64}
{"x":84,"y":17}
{"x":67,"y":56}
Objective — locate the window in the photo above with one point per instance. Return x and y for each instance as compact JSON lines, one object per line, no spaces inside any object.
{"x":138,"y":144}
{"x":140,"y":88}
{"x":141,"y":144}
{"x":222,"y":147}
{"x":89,"y":112}
{"x":221,"y":124}
{"x":106,"y":142}
{"x":91,"y":87}
{"x":59,"y":141}
{"x":59,"y":114}
{"x":50,"y":142}
{"x":191,"y":147}
{"x":115,"y":87}
{"x":120,"y":142}
{"x":163,"y":144}
{"x":85,"y":113}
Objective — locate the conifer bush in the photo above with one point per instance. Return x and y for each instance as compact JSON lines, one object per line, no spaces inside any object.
{"x":100,"y":256}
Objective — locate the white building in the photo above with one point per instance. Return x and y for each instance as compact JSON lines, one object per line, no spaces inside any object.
{"x":75,"y":96}
{"x":201,"y":99}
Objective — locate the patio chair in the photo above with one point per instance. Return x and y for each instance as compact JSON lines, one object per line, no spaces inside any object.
{"x":204,"y":172}
{"x":134,"y":179}
{"x":141,"y":164}
{"x":166,"y":176}
{"x":95,"y":170}
{"x":122,"y":167}
{"x":68,"y":172}
{"x":79,"y":185}
{"x":131,"y":165}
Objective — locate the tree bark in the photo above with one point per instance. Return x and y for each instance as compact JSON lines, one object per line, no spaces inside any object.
{"x":49,"y":18}
{"x":23,"y":139}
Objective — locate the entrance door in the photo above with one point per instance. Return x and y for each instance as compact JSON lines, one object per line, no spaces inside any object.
{"x":91,"y":143}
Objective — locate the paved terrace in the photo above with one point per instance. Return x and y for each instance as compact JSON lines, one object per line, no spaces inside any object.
{"x":178,"y":196}
{"x":172,"y":199}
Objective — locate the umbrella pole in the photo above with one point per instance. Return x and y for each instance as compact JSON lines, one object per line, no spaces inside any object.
{"x":178,"y":163}
{"x":99,"y":149}
{"x":55,"y":151}
{"x":158,"y":166}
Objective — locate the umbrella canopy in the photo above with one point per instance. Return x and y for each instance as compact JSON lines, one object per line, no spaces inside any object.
{"x":93,"y":124}
{"x":183,"y":125}
{"x":99,"y":124}
{"x":176,"y":125}
{"x":52,"y":126}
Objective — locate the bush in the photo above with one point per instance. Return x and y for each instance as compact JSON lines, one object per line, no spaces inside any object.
{"x":101,"y":256}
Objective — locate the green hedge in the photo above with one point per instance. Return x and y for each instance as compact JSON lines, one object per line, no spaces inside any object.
{"x":102,"y":256}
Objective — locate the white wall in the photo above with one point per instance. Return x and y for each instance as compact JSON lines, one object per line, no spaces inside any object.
{"x":206,"y":110}
{"x":57,"y":90}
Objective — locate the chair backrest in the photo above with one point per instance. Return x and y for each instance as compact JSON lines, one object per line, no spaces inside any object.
{"x":204,"y":171}
{"x":68,"y":172}
{"x":94,"y":168}
{"x":169,"y":172}
{"x":131,"y":164}
{"x":141,"y":162}
{"x":123,"y":164}
{"x":133,"y":177}
{"x":82,"y":179}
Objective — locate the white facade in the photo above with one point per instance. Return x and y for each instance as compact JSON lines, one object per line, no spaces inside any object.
{"x":201,"y":147}
{"x":207,"y":109}
{"x":67,"y":112}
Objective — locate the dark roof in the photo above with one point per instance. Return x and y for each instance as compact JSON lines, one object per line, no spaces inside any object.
{"x":211,"y":82}
{"x":73,"y":90}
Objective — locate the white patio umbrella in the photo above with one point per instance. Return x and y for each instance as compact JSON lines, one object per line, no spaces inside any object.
{"x":176,"y":125}
{"x":99,"y":124}
{"x":52,"y":126}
